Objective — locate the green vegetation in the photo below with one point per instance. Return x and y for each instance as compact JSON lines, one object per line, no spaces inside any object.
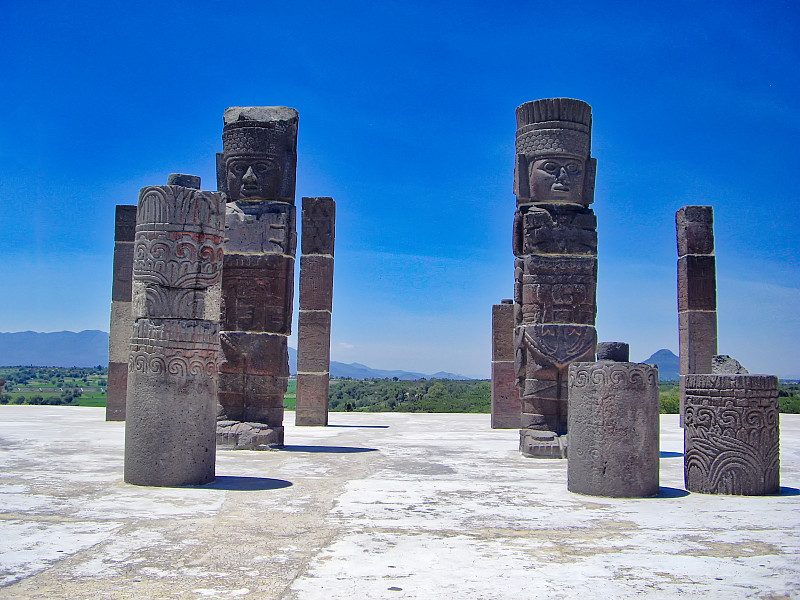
{"x":423,"y":395}
{"x":290,"y":399}
{"x":54,"y":386}
{"x":789,"y":398}
{"x":669,"y":397}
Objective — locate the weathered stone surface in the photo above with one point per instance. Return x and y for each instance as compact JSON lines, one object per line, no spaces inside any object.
{"x":312,"y":399}
{"x":697,"y":339}
{"x":615,"y":351}
{"x":238,"y":435}
{"x":121,"y":286}
{"x":506,"y":406}
{"x":257,"y":291}
{"x":558,"y":289}
{"x":188,"y":181}
{"x":116,"y":390}
{"x":731,"y":434}
{"x":694,"y":226}
{"x":555,"y":229}
{"x":260,"y":227}
{"x":542,"y":444}
{"x":613,"y":429}
{"x":697,"y":287}
{"x":254,"y":353}
{"x":173,"y":361}
{"x":124,"y":223}
{"x":319,"y":218}
{"x":503,"y":332}
{"x":722,"y":364}
{"x":314,"y":339}
{"x":316,"y":282}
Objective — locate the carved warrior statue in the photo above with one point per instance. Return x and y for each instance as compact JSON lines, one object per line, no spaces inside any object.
{"x":555,"y":242}
{"x":174,"y":347}
{"x":256,"y":174}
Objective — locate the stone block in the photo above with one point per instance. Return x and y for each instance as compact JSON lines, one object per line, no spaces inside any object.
{"x":506,"y":407}
{"x":180,"y":179}
{"x":615,"y":351}
{"x":556,"y":229}
{"x":313,"y":341}
{"x":318,"y":219}
{"x":557,"y":344}
{"x":257,"y":293}
{"x":503,"y":332}
{"x":697,"y":340}
{"x":724,"y":364}
{"x":117,"y":390}
{"x":122,"y":280}
{"x":316,"y":282}
{"x":731,"y":434}
{"x":697,"y":283}
{"x":124,"y":223}
{"x":558,"y":289}
{"x":236,"y":435}
{"x":613,"y":429}
{"x":120,"y":329}
{"x":254,"y":353}
{"x":534,"y":443}
{"x":695,"y":230}
{"x":312,"y":399}
{"x":260,"y":228}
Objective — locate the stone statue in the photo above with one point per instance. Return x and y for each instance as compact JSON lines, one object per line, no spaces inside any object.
{"x":256,"y":174}
{"x":555,"y":242}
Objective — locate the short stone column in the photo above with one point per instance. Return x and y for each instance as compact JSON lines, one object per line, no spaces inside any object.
{"x":613,"y":429}
{"x":173,"y":363}
{"x":121,"y":325}
{"x":505,"y":394}
{"x":731,"y":435}
{"x":316,"y":302}
{"x":697,"y":292}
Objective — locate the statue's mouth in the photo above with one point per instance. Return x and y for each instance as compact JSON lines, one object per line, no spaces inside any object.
{"x":560,"y":187}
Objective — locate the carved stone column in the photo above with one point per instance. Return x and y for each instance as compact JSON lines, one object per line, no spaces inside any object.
{"x":731,"y":434}
{"x":121,"y":325}
{"x":172,"y":368}
{"x":555,"y":242}
{"x":505,"y":395}
{"x":697,"y":292}
{"x":316,"y":303}
{"x":256,"y":173}
{"x":613,"y":429}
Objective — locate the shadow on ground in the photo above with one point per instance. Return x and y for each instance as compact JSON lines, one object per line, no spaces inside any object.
{"x":668,"y":492}
{"x":788,"y":491}
{"x":671,"y":454}
{"x":251,"y":484}
{"x":363,"y":426}
{"x":331,"y":449}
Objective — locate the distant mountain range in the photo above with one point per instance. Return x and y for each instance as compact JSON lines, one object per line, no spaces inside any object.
{"x":668,"y":364}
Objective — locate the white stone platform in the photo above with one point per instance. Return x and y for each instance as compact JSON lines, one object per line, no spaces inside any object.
{"x":377,"y":506}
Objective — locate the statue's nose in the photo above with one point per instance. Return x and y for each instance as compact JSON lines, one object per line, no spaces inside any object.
{"x":250,"y":176}
{"x":563,"y":176}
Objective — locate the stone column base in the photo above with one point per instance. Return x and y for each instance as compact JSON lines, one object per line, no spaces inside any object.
{"x":542,"y":444}
{"x":238,"y":435}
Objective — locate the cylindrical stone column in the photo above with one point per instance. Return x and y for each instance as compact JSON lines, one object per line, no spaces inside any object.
{"x":173,"y":363}
{"x":121,"y":325}
{"x":731,"y":435}
{"x":316,"y":303}
{"x":613,"y":429}
{"x":505,"y":394}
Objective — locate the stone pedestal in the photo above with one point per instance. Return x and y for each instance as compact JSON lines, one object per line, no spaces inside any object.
{"x":173,"y":360}
{"x":316,"y":303}
{"x":731,"y":434}
{"x":697,"y":292}
{"x":555,"y":273}
{"x":121,"y":325}
{"x":505,"y":395}
{"x":613,"y":429}
{"x":256,"y":174}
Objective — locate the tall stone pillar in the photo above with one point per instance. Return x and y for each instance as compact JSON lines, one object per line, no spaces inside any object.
{"x":256,"y":173}
{"x":172,"y":370}
{"x":505,"y":395}
{"x":119,"y":336}
{"x":555,"y":242}
{"x":731,"y":434}
{"x":697,"y":292}
{"x":316,"y":302}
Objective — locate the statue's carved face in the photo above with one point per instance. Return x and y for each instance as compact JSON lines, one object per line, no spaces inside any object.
{"x":251,"y":178}
{"x":556,"y":179}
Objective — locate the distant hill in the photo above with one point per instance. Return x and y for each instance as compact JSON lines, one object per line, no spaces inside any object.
{"x":668,"y":364}
{"x":58,"y":349}
{"x":359,"y":371}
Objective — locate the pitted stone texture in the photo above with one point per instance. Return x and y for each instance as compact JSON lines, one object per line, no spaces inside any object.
{"x":506,"y":407}
{"x":188,"y":181}
{"x":319,"y":218}
{"x":615,"y":351}
{"x":697,"y":335}
{"x":558,"y":289}
{"x":555,"y":229}
{"x":260,"y":227}
{"x":731,"y":434}
{"x":503,"y":332}
{"x":316,"y":282}
{"x":697,"y":287}
{"x":238,"y":435}
{"x":542,"y":444}
{"x":695,"y":230}
{"x":254,"y":353}
{"x":121,"y":287}
{"x":124,"y":223}
{"x":314,"y":341}
{"x":312,"y":399}
{"x":722,"y":364}
{"x":116,"y":391}
{"x":613,"y":429}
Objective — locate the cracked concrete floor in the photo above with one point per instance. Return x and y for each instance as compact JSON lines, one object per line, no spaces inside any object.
{"x":376,"y":506}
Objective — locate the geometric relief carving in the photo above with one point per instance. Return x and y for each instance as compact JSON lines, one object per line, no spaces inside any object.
{"x":257,"y":293}
{"x":181,"y":348}
{"x":731,"y":437}
{"x":319,"y":216}
{"x":263,"y":227}
{"x":558,"y":344}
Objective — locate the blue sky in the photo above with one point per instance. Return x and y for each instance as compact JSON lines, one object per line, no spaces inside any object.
{"x":407,"y":120}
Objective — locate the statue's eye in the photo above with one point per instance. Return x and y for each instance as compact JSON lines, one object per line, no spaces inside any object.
{"x":238,"y":168}
{"x":550,"y":167}
{"x":573,"y":168}
{"x":263,"y":167}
